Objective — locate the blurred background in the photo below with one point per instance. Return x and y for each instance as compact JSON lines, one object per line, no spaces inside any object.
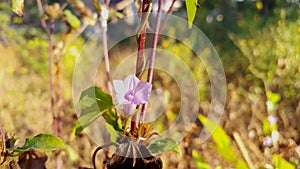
{"x":257,"y":41}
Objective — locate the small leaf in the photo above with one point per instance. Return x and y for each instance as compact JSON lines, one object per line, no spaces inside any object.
{"x":113,"y":133}
{"x":200,"y":164}
{"x":163,"y":145}
{"x":241,"y":165}
{"x":17,"y":6}
{"x":191,"y":8}
{"x":220,"y":138}
{"x":112,"y":119}
{"x":42,"y":142}
{"x":273,"y":97}
{"x":86,"y":119}
{"x":103,"y":99}
{"x":93,"y":103}
{"x":72,"y":19}
{"x":222,"y":142}
{"x":266,"y":127}
{"x":72,"y":154}
{"x":53,"y":10}
{"x":281,"y":163}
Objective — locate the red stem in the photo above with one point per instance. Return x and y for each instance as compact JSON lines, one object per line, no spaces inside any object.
{"x":59,"y":100}
{"x":106,"y":59}
{"x":52,"y":94}
{"x":152,"y":56}
{"x":107,"y":70}
{"x":166,"y":17}
{"x":43,"y":22}
{"x":140,"y":57}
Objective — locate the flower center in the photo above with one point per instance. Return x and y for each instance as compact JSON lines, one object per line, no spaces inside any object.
{"x":129,"y":96}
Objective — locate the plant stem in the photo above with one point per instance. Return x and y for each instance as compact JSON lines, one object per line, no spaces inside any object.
{"x":104,"y":19}
{"x":59,"y":100}
{"x":52,"y":94}
{"x":50,"y":62}
{"x":166,"y":17}
{"x":43,"y":22}
{"x":106,"y":59}
{"x":141,"y":46}
{"x":243,"y":149}
{"x":152,"y":56}
{"x":3,"y":138}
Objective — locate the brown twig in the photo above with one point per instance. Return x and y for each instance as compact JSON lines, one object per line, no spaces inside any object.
{"x":243,"y":149}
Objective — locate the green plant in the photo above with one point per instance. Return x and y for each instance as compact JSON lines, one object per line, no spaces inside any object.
{"x":222,"y":141}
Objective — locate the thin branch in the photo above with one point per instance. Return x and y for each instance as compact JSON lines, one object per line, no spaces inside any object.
{"x":107,"y":2}
{"x":43,"y":22}
{"x":3,"y":138}
{"x":243,"y":149}
{"x":152,"y":56}
{"x":59,"y":100}
{"x":52,"y":94}
{"x":166,"y":17}
{"x":106,"y":59}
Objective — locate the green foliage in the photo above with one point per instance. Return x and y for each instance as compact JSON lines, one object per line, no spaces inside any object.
{"x":191,"y":7}
{"x":53,"y":11}
{"x":163,"y":145}
{"x":273,"y":97}
{"x":72,"y":20}
{"x":41,"y":142}
{"x":114,"y":134}
{"x":222,"y":142}
{"x":280,"y":163}
{"x":17,"y":6}
{"x":111,"y":118}
{"x":274,"y":57}
{"x":200,"y":164}
{"x":93,"y":103}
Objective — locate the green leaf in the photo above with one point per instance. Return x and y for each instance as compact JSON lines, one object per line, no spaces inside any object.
{"x":54,"y":10}
{"x":93,"y":103}
{"x":114,"y":134}
{"x":281,"y":163}
{"x":112,"y":119}
{"x":222,"y":142}
{"x":200,"y":164}
{"x":42,"y":142}
{"x":241,"y":165}
{"x":163,"y":145}
{"x":191,"y":11}
{"x":220,"y":138}
{"x":266,"y":127}
{"x":17,"y":6}
{"x":72,"y":19}
{"x":273,"y":97}
{"x":72,"y":154}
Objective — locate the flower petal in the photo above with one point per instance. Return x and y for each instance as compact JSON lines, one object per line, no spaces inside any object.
{"x":129,"y":108}
{"x":119,"y":86}
{"x":131,"y":82}
{"x":142,"y":93}
{"x":120,"y":89}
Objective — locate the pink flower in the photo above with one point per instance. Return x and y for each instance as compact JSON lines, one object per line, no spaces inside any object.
{"x":267,"y":141}
{"x":132,"y":92}
{"x":272,"y":120}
